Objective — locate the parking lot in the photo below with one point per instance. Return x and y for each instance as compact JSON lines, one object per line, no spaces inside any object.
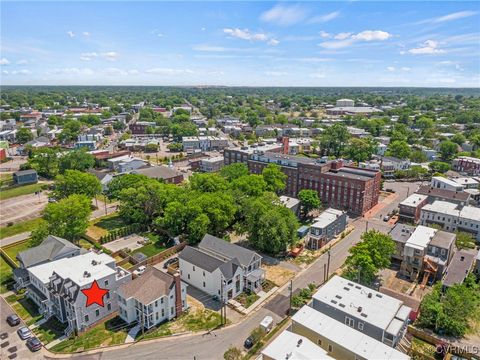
{"x":11,"y":346}
{"x":22,"y":208}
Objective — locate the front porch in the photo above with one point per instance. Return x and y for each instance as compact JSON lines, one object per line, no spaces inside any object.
{"x":253,"y":281}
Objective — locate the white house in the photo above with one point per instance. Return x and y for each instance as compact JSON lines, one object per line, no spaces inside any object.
{"x":439,"y":182}
{"x":126,"y":163}
{"x":56,"y":288}
{"x":152,"y":298}
{"x":217,"y":264}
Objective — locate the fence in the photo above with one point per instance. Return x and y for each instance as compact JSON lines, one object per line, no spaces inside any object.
{"x":124,"y":231}
{"x":157,"y":258}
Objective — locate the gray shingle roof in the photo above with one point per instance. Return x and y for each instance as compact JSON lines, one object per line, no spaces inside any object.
{"x":48,"y":250}
{"x":159,"y":284}
{"x":224,"y":250}
{"x":200,"y":259}
{"x":460,"y":266}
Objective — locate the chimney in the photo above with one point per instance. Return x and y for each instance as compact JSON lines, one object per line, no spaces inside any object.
{"x":178,"y":294}
{"x":286,"y":145}
{"x":336,"y":165}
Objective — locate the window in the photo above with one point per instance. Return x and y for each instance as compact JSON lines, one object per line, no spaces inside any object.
{"x":320,"y":342}
{"x":204,"y":273}
{"x":109,"y":306}
{"x":188,"y":276}
{"x":349,"y":321}
{"x":86,"y":318}
{"x":97,"y":313}
{"x":156,"y":303}
{"x":330,"y":348}
{"x":163,"y":312}
{"x":204,"y":284}
{"x":156,"y":316}
{"x":108,"y":295}
{"x":360,"y":326}
{"x":106,"y":282}
{"x":193,"y":268}
{"x":171,"y":310}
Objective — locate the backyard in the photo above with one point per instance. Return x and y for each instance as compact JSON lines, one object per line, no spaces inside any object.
{"x":13,"y":250}
{"x":15,"y":191}
{"x":157,"y":245}
{"x":102,"y":226}
{"x":110,"y":332}
{"x":5,"y":276}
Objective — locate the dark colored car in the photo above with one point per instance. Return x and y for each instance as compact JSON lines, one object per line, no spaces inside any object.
{"x":13,"y":320}
{"x":170,"y":262}
{"x":24,"y":333}
{"x":386,"y":218}
{"x":248,"y":343}
{"x":34,"y":344}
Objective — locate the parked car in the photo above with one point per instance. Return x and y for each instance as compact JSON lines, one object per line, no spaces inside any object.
{"x":34,"y":344}
{"x":52,"y":200}
{"x":386,"y":218}
{"x":248,"y":343}
{"x":24,"y":333}
{"x":140,"y":270}
{"x":169,"y":262}
{"x":13,"y":320}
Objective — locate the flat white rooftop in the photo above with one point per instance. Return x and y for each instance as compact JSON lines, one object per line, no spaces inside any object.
{"x":414,"y":200}
{"x":350,"y":339}
{"x":74,"y":268}
{"x":326,"y":218}
{"x":421,"y":237}
{"x":448,"y":208}
{"x":445,"y":181}
{"x":378,"y":309}
{"x":291,"y":346}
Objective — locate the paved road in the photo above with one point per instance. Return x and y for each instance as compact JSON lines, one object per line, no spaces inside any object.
{"x":203,"y":346}
{"x":21,"y":208}
{"x":11,"y":346}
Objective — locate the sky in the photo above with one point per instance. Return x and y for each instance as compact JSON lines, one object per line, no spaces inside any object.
{"x":355,"y":43}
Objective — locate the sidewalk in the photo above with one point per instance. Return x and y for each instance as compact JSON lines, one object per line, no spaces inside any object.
{"x":15,"y":238}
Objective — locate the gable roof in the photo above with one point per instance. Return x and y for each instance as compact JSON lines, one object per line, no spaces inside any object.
{"x":48,"y":250}
{"x":201,"y":259}
{"x":159,"y":284}
{"x":224,"y":250}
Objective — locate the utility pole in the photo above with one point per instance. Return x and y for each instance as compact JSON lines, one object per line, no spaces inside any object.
{"x":324,"y":272}
{"x":328,"y":264}
{"x":105,"y":203}
{"x":224,"y":304}
{"x":291,"y":295}
{"x":221,"y":301}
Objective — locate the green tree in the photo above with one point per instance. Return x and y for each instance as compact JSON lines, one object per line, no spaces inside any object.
{"x":418,"y":156}
{"x":399,"y":149}
{"x":70,"y":131}
{"x":309,"y":200}
{"x":334,"y":139}
{"x":459,"y":138}
{"x":24,"y":135}
{"x":126,"y":181}
{"x":79,"y":160}
{"x":360,"y":149}
{"x":369,"y":256}
{"x":68,"y":218}
{"x":448,"y":149}
{"x":274,"y":177}
{"x":465,"y":240}
{"x":45,"y":161}
{"x":207,"y":182}
{"x":250,"y":185}
{"x":76,"y":182}
{"x":234,"y":171}
{"x":143,"y":203}
{"x":439,"y":166}
{"x":39,"y":234}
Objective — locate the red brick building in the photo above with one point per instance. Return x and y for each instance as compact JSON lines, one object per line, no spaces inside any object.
{"x":342,"y":187}
{"x":467,"y":164}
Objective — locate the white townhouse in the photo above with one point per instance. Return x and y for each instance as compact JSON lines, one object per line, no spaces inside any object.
{"x":152,"y":298}
{"x":56,"y":288}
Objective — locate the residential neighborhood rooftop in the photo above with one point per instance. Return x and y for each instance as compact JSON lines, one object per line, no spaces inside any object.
{"x":460,"y":266}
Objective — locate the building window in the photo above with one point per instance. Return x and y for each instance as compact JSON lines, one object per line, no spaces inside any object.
{"x":108,"y":295}
{"x":86,"y":318}
{"x":349,"y":321}
{"x":320,"y":342}
{"x":360,"y":326}
{"x":193,"y":268}
{"x":97,"y":313}
{"x":109,"y":306}
{"x":171,"y":310}
{"x":163,"y":312}
{"x":156,"y":303}
{"x":188,"y":276}
{"x":204,"y":284}
{"x":106,"y":282}
{"x":330,"y":348}
{"x":161,"y":300}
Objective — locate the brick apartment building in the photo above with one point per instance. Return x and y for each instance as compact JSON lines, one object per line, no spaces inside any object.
{"x":342,"y":187}
{"x":466,"y":164}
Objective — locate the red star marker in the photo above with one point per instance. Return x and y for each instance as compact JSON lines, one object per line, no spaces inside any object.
{"x":94,"y":294}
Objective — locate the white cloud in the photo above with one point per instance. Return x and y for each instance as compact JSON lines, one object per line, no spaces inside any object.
{"x":22,"y":62}
{"x":168,"y":71}
{"x":284,"y":15}
{"x":4,"y":61}
{"x":203,"y":29}
{"x":71,"y":34}
{"x":372,"y":35}
{"x":346,"y":39}
{"x":88,"y":56}
{"x":325,"y":34}
{"x":21,"y":72}
{"x":317,"y":75}
{"x":405,"y":68}
{"x":86,"y":33}
{"x":246,"y":34}
{"x":5,"y":72}
{"x":429,"y":47}
{"x":110,"y":55}
{"x":71,"y":71}
{"x":342,"y":36}
{"x":324,"y":18}
{"x":391,"y":68}
{"x":453,"y":16}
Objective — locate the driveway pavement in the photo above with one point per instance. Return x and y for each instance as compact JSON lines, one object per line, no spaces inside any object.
{"x":11,"y":346}
{"x":21,"y":208}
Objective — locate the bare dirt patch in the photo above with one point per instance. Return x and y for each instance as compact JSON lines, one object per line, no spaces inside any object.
{"x":277,"y":274}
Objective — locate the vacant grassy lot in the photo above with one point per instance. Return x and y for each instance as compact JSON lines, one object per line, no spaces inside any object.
{"x":5,"y":276}
{"x":157,"y":245}
{"x":19,"y":190}
{"x":111,"y":332}
{"x":101,"y":226}
{"x":20,"y":227}
{"x":6,"y":179}
{"x":13,"y":250}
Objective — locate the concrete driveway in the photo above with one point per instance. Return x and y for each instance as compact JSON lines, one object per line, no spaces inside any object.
{"x":130,"y":241}
{"x":21,"y":208}
{"x":11,"y":346}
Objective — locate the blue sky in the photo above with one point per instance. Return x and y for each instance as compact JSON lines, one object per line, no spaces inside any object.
{"x":241,"y":43}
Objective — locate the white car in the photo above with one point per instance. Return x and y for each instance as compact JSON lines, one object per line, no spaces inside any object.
{"x":140,"y":270}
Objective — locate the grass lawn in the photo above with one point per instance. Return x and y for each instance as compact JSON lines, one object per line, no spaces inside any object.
{"x":50,"y":330}
{"x":5,"y":276}
{"x":156,"y":246}
{"x":247,"y":300}
{"x":85,"y":244}
{"x":111,"y":332}
{"x":6,"y":179}
{"x":25,"y":308}
{"x":20,"y":227}
{"x":160,"y":331}
{"x":101,"y":226}
{"x":13,"y":250}
{"x":19,"y":190}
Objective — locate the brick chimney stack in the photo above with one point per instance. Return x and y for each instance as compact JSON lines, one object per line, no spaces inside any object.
{"x":286,"y":145}
{"x":336,"y":165}
{"x":178,"y":294}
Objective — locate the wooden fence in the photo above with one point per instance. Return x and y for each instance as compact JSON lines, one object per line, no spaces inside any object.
{"x":157,"y":258}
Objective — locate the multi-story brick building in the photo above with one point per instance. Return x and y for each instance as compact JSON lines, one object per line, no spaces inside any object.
{"x":466,"y":164}
{"x":243,"y":153}
{"x":342,"y":187}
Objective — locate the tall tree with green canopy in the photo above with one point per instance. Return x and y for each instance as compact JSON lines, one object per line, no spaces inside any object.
{"x":250,"y":185}
{"x":309,"y":200}
{"x":78,"y":159}
{"x":369,"y":256}
{"x":334,"y":139}
{"x":24,"y":135}
{"x":45,"y":161}
{"x":126,"y":181}
{"x":68,"y":218}
{"x":207,"y":182}
{"x":76,"y":182}
{"x":448,"y":149}
{"x":143,"y":203}
{"x":274,"y":177}
{"x":360,"y":149}
{"x":234,"y":171}
{"x":399,"y":149}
